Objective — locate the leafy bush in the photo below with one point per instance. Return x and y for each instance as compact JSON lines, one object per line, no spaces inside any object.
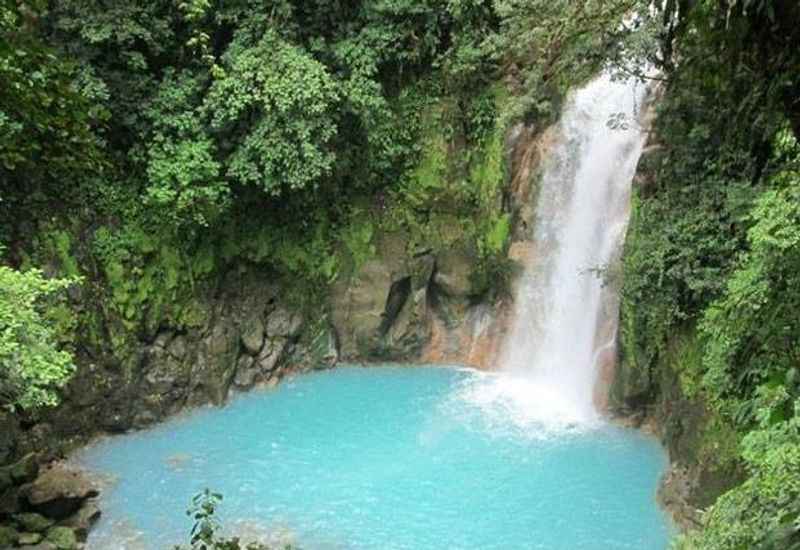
{"x":32,"y":364}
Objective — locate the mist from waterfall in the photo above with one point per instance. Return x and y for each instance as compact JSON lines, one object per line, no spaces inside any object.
{"x":565,"y":315}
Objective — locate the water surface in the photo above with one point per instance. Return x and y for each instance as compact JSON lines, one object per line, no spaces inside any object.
{"x":384,"y":458}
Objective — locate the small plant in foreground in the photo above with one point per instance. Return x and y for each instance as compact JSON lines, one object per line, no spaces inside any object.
{"x":205,"y":531}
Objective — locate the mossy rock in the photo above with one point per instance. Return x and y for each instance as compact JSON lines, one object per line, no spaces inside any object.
{"x":8,"y":536}
{"x":63,"y":538}
{"x":29,"y":539}
{"x":34,"y":523}
{"x":25,"y":470}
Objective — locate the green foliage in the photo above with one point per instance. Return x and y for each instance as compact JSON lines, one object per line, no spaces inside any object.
{"x":184,"y":176}
{"x":549,"y":46}
{"x":288,"y":100}
{"x":497,"y":237}
{"x":752,"y":329}
{"x":32,"y":364}
{"x":714,"y":242}
{"x":763,"y":512}
{"x":184,"y":180}
{"x":61,"y":243}
{"x":149,"y":279}
{"x":454,"y":193}
{"x":358,"y":238}
{"x":44,"y":122}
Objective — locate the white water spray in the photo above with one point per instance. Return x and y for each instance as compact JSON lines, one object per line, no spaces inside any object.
{"x":565,"y":319}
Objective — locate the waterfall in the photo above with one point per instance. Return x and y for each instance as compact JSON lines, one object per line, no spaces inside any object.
{"x":564,"y":314}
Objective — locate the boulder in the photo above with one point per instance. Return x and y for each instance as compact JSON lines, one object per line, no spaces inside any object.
{"x":8,"y":536}
{"x":25,"y":470}
{"x":219,"y":342}
{"x":282,"y":322}
{"x":253,"y":336}
{"x":82,"y":521}
{"x":63,"y":538}
{"x":163,"y":375}
{"x":29,"y":539}
{"x":270,"y":354}
{"x":178,"y":348}
{"x":58,"y":492}
{"x":33,"y":523}
{"x":162,"y":339}
{"x":245,"y":372}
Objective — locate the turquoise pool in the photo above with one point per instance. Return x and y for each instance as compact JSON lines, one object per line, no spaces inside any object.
{"x":383,"y":458}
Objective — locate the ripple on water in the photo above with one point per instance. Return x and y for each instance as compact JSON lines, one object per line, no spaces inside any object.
{"x":387,"y":458}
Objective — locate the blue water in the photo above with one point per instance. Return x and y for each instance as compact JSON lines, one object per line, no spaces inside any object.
{"x":382,"y":458}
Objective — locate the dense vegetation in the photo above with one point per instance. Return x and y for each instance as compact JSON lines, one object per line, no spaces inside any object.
{"x":711,"y":287}
{"x":147,"y":147}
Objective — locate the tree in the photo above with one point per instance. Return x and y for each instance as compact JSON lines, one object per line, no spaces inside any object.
{"x":286,"y":101}
{"x":32,"y":367}
{"x":45,"y":124}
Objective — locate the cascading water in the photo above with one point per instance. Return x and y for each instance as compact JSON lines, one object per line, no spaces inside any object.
{"x":565,"y":317}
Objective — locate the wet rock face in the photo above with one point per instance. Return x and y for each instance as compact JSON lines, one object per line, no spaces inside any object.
{"x":247,"y":336}
{"x":366,"y":302}
{"x":407,"y":304}
{"x":266,"y":339}
{"x":387,"y":308}
{"x":253,"y":335}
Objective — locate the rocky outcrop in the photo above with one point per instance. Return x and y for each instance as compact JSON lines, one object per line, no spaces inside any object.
{"x":423,"y":307}
{"x":410,"y":301}
{"x":378,"y":308}
{"x":52,"y":509}
{"x":57,"y":493}
{"x":248,"y":335}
